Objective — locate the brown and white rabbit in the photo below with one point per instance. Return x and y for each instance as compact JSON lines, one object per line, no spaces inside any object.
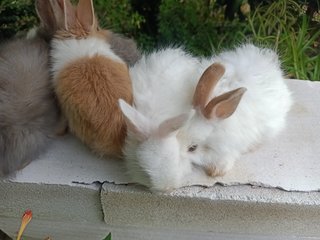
{"x":89,"y":78}
{"x":29,"y":115}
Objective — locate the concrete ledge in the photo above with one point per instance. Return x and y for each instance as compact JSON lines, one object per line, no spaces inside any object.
{"x":62,"y":212}
{"x":223,"y":210}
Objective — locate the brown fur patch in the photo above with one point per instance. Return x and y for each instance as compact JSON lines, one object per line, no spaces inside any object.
{"x":88,"y":90}
{"x":223,"y":106}
{"x":206,"y":84}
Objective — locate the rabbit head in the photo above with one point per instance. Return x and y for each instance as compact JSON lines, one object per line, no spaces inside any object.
{"x":204,"y":136}
{"x":152,"y":152}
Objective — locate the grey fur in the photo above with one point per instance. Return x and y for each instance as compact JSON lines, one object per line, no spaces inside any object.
{"x":125,"y":48}
{"x":28,"y":111}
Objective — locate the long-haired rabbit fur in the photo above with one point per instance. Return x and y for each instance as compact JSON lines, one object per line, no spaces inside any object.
{"x":28,"y":111}
{"x":240,"y":100}
{"x":89,"y":78}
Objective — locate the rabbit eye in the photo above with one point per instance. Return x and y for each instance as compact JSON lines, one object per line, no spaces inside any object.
{"x":192,"y":148}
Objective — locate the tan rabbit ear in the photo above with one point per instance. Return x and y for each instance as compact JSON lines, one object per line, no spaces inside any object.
{"x":46,"y":14}
{"x":224,"y":105}
{"x":85,"y":14}
{"x":206,"y":84}
{"x":69,"y":14}
{"x":173,"y":124}
{"x":137,"y":124}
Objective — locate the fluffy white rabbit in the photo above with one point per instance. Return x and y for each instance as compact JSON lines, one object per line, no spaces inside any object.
{"x":240,"y":100}
{"x":224,"y":127}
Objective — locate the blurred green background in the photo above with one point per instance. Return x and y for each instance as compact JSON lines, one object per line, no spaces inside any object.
{"x":291,"y":27}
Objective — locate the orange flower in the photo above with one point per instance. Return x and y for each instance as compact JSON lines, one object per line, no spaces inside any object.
{"x":26,"y":218}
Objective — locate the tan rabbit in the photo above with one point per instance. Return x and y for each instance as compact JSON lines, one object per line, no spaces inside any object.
{"x":89,"y":78}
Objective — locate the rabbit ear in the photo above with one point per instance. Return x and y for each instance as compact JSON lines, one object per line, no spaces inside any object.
{"x":69,"y":18}
{"x":85,"y":14}
{"x":172,"y":124}
{"x":224,"y":105}
{"x":137,"y":123}
{"x":46,"y":13}
{"x":207,"y":82}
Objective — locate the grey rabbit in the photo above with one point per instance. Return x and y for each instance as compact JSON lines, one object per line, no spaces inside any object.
{"x":29,"y":115}
{"x":28,"y":111}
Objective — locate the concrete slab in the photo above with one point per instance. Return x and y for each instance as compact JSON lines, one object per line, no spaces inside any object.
{"x":61,"y":212}
{"x":233,"y":210}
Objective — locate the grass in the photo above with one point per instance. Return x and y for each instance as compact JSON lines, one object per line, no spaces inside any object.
{"x":285,"y":26}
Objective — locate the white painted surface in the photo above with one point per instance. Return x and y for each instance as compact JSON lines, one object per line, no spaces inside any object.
{"x":69,"y":162}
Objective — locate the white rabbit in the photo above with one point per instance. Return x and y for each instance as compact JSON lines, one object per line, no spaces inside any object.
{"x":217,"y":135}
{"x":157,"y":81}
{"x":165,"y":150}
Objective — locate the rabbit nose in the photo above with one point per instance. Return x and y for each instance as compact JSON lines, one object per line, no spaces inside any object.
{"x":213,"y":171}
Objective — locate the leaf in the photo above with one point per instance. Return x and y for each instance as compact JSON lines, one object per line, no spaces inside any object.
{"x":108,"y":237}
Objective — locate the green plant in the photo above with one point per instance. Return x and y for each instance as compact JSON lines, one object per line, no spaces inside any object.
{"x":285,"y":26}
{"x":120,"y":16}
{"x":190,"y":23}
{"x":16,"y":16}
{"x":108,"y":237}
{"x":301,"y":59}
{"x":291,"y":27}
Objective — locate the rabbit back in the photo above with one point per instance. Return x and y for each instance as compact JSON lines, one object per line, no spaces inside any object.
{"x":89,"y":78}
{"x":28,"y":112}
{"x":163,"y":83}
{"x":88,"y":83}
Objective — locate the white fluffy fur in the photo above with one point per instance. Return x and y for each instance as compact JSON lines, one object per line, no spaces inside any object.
{"x":67,"y":50}
{"x":260,"y":115}
{"x":163,"y":87}
{"x":163,"y":83}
